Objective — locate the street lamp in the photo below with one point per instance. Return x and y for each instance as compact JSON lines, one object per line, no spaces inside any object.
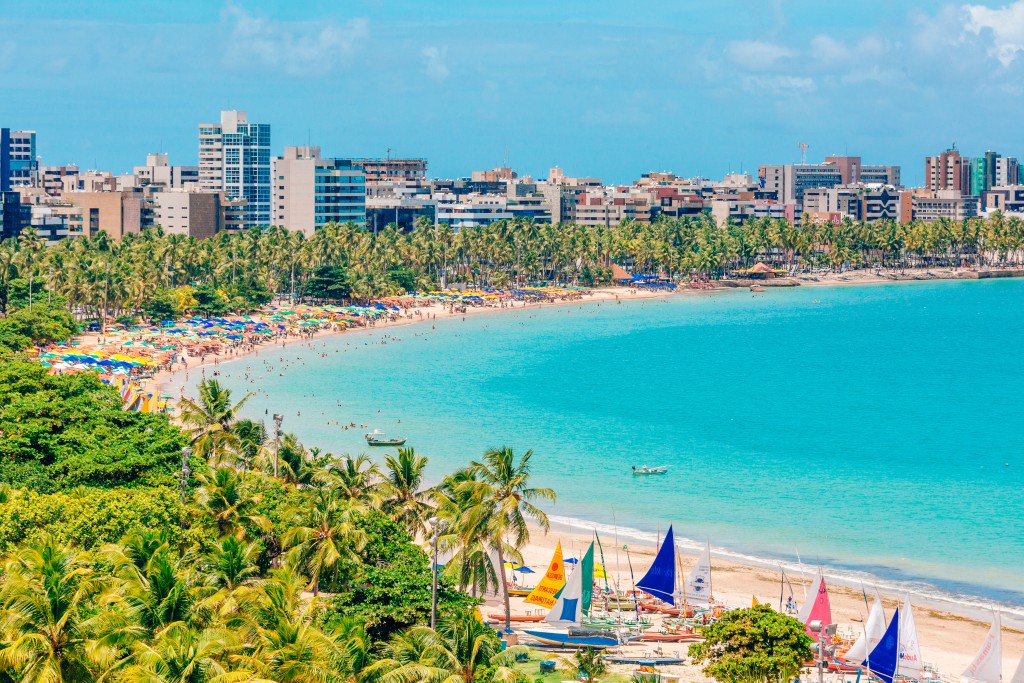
{"x":436,"y":527}
{"x":186,"y":453}
{"x":277,"y":441}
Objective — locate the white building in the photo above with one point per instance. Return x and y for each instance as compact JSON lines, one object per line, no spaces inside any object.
{"x":234,"y":158}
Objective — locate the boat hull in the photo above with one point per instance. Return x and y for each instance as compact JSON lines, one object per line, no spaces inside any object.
{"x":534,"y":618}
{"x":565,"y":638}
{"x":394,"y":442}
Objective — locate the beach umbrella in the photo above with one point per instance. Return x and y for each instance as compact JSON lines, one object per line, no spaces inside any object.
{"x":523,"y":569}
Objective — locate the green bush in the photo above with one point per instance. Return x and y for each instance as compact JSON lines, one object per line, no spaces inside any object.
{"x":85,"y":517}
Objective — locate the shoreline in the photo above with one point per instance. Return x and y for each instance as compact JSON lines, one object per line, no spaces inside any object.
{"x":949,"y":637}
{"x":962,"y":625}
{"x":161,"y":381}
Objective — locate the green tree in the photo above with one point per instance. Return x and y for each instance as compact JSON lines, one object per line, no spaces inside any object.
{"x":753,"y":645}
{"x":213,"y":419}
{"x":50,"y":630}
{"x":403,"y":499}
{"x":504,"y":500}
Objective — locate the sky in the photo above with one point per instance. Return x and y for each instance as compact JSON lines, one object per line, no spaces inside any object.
{"x":599,"y":88}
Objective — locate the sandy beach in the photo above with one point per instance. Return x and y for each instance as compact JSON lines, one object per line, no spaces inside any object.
{"x":949,"y":639}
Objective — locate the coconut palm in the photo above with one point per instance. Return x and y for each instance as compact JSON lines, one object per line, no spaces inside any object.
{"x":402,"y":498}
{"x":50,"y":630}
{"x":452,"y":654}
{"x":323,"y":535}
{"x":231,"y":503}
{"x":504,"y":500}
{"x":180,"y":654}
{"x":212,"y":418}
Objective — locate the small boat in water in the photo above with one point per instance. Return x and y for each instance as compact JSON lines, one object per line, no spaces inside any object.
{"x":662,"y":469}
{"x":378,"y":438}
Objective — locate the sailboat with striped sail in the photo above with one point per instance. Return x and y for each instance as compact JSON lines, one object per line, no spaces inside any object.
{"x":566,"y":616}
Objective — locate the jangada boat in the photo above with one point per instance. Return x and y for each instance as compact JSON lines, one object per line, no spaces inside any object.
{"x":662,"y":469}
{"x":378,"y":438}
{"x":573,"y":637}
{"x":517,"y":617}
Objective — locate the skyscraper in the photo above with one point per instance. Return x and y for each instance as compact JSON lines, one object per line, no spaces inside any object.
{"x":234,"y":157}
{"x":5,"y":159}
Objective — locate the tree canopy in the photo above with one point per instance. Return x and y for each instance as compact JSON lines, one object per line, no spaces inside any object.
{"x":753,"y":645}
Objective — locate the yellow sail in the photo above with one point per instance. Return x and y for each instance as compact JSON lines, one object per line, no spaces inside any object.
{"x":548,"y":587}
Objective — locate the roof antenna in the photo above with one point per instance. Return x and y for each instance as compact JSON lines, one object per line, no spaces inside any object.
{"x":803,"y":152}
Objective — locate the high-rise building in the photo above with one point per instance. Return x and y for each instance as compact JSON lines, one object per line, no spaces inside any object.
{"x":311,"y":191}
{"x":24,"y":164}
{"x":790,"y":181}
{"x":948,"y":171}
{"x":234,"y":158}
{"x":5,"y":159}
{"x":1007,"y":172}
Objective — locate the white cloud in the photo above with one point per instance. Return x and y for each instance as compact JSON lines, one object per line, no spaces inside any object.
{"x":1005,"y":24}
{"x":434,"y":62}
{"x":756,"y":54}
{"x":296,"y":48}
{"x":779,"y":84}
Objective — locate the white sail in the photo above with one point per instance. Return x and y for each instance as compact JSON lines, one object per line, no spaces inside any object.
{"x":874,"y":630}
{"x":568,"y":609}
{"x":805,"y":611}
{"x":1018,"y":675}
{"x":987,"y":666}
{"x":698,"y":581}
{"x":910,"y":648}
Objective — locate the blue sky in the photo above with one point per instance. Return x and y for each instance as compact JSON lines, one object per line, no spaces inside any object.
{"x":611,"y":89}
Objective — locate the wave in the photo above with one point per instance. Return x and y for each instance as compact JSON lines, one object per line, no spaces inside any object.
{"x":962,"y":597}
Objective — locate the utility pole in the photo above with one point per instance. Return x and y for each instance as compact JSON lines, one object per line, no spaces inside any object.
{"x":435,"y":526}
{"x":186,"y":471}
{"x":277,"y":441}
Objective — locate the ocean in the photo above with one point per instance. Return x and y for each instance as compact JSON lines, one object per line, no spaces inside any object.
{"x":872,"y":430}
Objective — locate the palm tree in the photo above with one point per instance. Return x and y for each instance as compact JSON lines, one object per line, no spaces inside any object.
{"x":357,"y":479}
{"x":324,"y":534}
{"x":402,"y":498}
{"x":180,"y":654}
{"x":212,"y":419}
{"x":503,"y":502}
{"x":230,"y":503}
{"x":453,"y":654}
{"x":49,"y":628}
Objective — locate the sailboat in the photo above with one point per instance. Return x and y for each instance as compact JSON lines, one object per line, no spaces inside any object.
{"x":817,"y":608}
{"x":698,"y":581}
{"x":660,"y":579}
{"x":910,"y":649}
{"x":874,"y":629}
{"x":1018,"y":675}
{"x":545,"y":593}
{"x":566,"y":616}
{"x":884,"y":660}
{"x":988,"y":663}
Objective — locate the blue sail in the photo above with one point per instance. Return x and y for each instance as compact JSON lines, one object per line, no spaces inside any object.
{"x":884,"y":659}
{"x":660,"y":579}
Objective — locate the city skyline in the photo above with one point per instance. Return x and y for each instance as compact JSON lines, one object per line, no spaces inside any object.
{"x":596,"y":89}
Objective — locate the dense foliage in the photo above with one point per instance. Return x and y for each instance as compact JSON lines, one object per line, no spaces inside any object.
{"x":276,"y":563}
{"x":40,"y":324}
{"x":233,"y":272}
{"x":753,"y":645}
{"x":62,"y":431}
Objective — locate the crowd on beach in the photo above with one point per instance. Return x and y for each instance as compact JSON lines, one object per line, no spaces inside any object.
{"x":133,"y":357}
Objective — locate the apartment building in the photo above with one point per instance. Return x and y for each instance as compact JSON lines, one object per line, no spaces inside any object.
{"x":931,"y":205}
{"x":234,"y":158}
{"x":311,"y":191}
{"x":948,"y":171}
{"x":791,"y":181}
{"x":391,"y":170}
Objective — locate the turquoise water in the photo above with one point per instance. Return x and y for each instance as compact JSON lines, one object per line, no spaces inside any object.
{"x":875,"y":430}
